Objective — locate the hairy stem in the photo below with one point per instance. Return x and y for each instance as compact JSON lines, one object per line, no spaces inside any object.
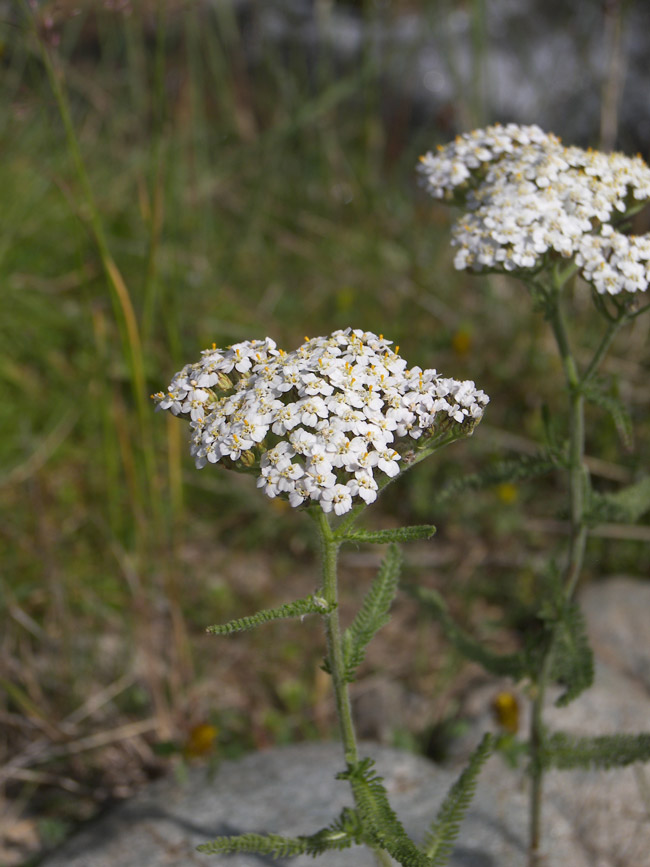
{"x":605,"y":343}
{"x":329,"y":555}
{"x":578,"y":486}
{"x":548,"y":297}
{"x":329,"y":591}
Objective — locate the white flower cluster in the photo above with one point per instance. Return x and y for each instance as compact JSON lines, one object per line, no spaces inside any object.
{"x":527,"y":195}
{"x":319,"y":423}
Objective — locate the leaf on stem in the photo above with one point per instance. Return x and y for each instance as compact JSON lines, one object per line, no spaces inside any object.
{"x":440,"y":839}
{"x":381,"y":537}
{"x":299,"y":608}
{"x":573,"y":660}
{"x":599,"y":392}
{"x":381,"y":826}
{"x":509,"y":470}
{"x":503,"y":665}
{"x":374,"y":612}
{"x":345,"y":831}
{"x":625,"y":506}
{"x":565,"y":751}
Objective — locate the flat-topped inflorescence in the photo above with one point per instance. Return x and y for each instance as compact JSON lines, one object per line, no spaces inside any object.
{"x":527,"y":196}
{"x":322,"y":423}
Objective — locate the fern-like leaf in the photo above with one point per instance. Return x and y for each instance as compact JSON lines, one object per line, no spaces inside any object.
{"x":565,"y":751}
{"x":599,"y":392}
{"x":510,"y":470}
{"x":626,"y":505}
{"x":273,"y":845}
{"x":344,"y":832}
{"x":398,"y":534}
{"x":299,"y":608}
{"x":381,"y":826}
{"x":374,"y":612}
{"x":503,"y":665}
{"x":573,"y":659}
{"x":440,"y":840}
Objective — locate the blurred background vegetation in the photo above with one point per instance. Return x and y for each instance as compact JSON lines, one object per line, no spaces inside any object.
{"x":178,"y":173}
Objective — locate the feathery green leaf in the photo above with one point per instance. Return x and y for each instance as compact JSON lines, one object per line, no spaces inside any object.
{"x":381,"y":826}
{"x":374,"y":612}
{"x":398,"y":534}
{"x":565,"y":751}
{"x":503,"y":665}
{"x":573,"y":660}
{"x":599,"y":392}
{"x":440,"y":839}
{"x":345,"y":831}
{"x":626,"y":505}
{"x":509,"y":470}
{"x":299,"y":608}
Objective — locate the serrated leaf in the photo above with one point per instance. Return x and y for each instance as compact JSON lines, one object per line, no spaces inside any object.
{"x":566,"y":751}
{"x":273,"y":845}
{"x":344,"y":832}
{"x":374,"y":612}
{"x":510,"y":470}
{"x":299,"y":608}
{"x":381,"y":537}
{"x":440,"y":839}
{"x":381,"y":826}
{"x":573,"y":660}
{"x":626,"y":506}
{"x":598,"y":392}
{"x":503,"y":665}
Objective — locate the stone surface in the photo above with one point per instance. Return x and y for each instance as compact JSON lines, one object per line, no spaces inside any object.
{"x":591,"y":819}
{"x":618,"y":616}
{"x":292,"y":790}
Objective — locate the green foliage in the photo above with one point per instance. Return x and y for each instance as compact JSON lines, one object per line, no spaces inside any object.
{"x":572,"y":661}
{"x":381,"y":826}
{"x":374,"y":612}
{"x":509,"y":470}
{"x":341,"y":834}
{"x":299,"y":608}
{"x":565,"y":751}
{"x":444,"y":831}
{"x":398,"y":534}
{"x":599,"y":392}
{"x":503,"y":665}
{"x":627,"y":505}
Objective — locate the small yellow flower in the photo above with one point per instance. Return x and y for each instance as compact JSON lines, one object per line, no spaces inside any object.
{"x":200,"y":741}
{"x":507,"y":492}
{"x":506,"y":710}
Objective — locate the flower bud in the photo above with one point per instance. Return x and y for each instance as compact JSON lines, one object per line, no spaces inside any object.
{"x":248,"y":458}
{"x":224,"y":382}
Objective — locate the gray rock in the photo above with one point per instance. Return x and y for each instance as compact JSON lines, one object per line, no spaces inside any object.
{"x":618,"y":617}
{"x":292,"y":790}
{"x":591,"y":819}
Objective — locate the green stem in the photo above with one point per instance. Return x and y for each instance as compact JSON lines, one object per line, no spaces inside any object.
{"x":329,"y":591}
{"x":578,"y":486}
{"x":606,"y":342}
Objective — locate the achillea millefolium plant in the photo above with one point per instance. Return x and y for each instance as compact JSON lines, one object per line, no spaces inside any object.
{"x":326,"y":427}
{"x":553,"y":216}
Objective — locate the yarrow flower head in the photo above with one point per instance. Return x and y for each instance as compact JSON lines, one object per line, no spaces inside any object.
{"x":526,"y":196}
{"x":323,"y":424}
